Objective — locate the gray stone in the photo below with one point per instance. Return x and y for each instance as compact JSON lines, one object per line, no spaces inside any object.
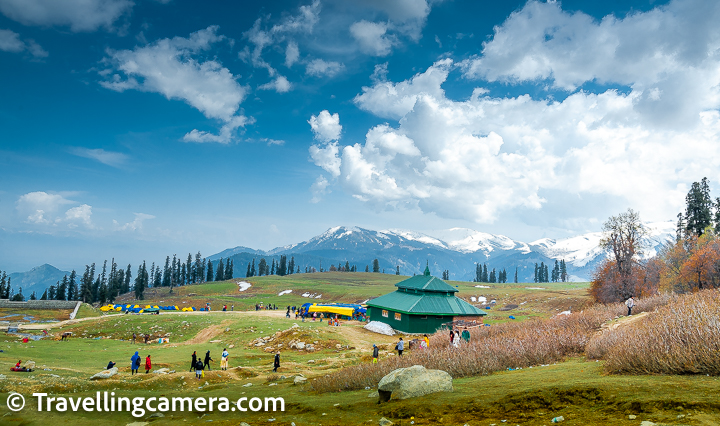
{"x":138,"y":424}
{"x":632,"y":417}
{"x":385,"y":422}
{"x":374,"y":394}
{"x":244,"y":424}
{"x":247,"y":385}
{"x":156,"y":415}
{"x":412,"y":382}
{"x":105,"y":374}
{"x":299,"y":380}
{"x":647,"y":423}
{"x":300,"y":345}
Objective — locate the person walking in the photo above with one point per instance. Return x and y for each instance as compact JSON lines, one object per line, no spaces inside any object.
{"x":427,"y":340}
{"x":376,"y":354}
{"x":148,"y":364}
{"x":400,"y":347}
{"x":194,"y":361}
{"x":207,"y":361}
{"x":452,"y":336}
{"x":198,"y":369}
{"x":276,"y":362}
{"x":466,"y":335}
{"x":232,"y":307}
{"x":134,"y":338}
{"x":630,"y":303}
{"x":224,"y":360}
{"x":456,"y":339}
{"x":287,"y":314}
{"x":134,"y":363}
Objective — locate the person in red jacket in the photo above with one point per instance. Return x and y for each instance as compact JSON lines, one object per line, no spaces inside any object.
{"x":148,"y":364}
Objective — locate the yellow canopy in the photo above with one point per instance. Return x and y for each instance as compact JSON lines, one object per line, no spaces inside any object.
{"x":340,"y":310}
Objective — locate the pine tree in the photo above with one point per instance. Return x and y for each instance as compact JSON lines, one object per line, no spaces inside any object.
{"x":52,"y":291}
{"x":397,"y":271}
{"x":198,"y":273}
{"x":492,"y":276}
{"x":291,"y":265}
{"x":229,"y":275}
{"x":367,"y":268}
{"x":220,"y":272}
{"x":347,"y":266}
{"x":126,"y":282}
{"x":261,"y":267}
{"x":282,"y":268}
{"x":210,"y":271}
{"x":272,"y":270}
{"x":563,"y":271}
{"x":167,"y":272}
{"x":61,"y":291}
{"x":698,"y":215}
{"x":253,"y":272}
{"x":376,"y":265}
{"x":536,"y":273}
{"x":141,"y":281}
{"x":32,"y":296}
{"x":44,"y":295}
{"x":516,"y":277}
{"x":247,"y":274}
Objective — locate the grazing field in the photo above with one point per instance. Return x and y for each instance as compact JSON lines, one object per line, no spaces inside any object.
{"x":546,"y":379}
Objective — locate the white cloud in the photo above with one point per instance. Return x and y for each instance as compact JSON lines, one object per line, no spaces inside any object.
{"x":110,"y":158}
{"x":79,"y":15}
{"x":320,"y":68}
{"x":408,"y":16}
{"x":670,"y":50}
{"x":135,"y":225}
{"x":280,"y":85}
{"x":42,"y":208}
{"x":373,"y":37}
{"x":319,"y":188}
{"x":394,"y":100}
{"x":10,"y":42}
{"x":80,"y":214}
{"x":484,"y":157}
{"x":271,"y":142}
{"x":325,"y":126}
{"x":168,"y":67}
{"x":292,"y":53}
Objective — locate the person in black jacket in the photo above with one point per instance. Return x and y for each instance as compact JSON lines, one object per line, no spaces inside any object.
{"x":110,"y":365}
{"x":276,"y":363}
{"x":207,"y":360}
{"x":376,"y":354}
{"x":193,"y":363}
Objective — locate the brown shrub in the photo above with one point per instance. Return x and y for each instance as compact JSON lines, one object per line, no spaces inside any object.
{"x":679,"y":338}
{"x":509,"y":345}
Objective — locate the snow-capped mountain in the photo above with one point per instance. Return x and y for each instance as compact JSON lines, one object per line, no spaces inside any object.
{"x":457,"y":250}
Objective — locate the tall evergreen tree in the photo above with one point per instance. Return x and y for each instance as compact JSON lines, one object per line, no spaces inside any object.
{"x":44,"y":295}
{"x":247,"y":274}
{"x":230,"y":269}
{"x":210,"y":271}
{"x":52,"y":291}
{"x":272,"y":270}
{"x":282,"y":268}
{"x":536,"y":279}
{"x":167,"y":272}
{"x":516,"y":277}
{"x":253,"y":272}
{"x":376,"y":265}
{"x":563,"y":271}
{"x":61,"y":292}
{"x":485,"y":277}
{"x":141,"y":281}
{"x":32,"y":296}
{"x":698,"y":213}
{"x":197,"y":276}
{"x":291,"y":265}
{"x":126,"y":281}
{"x":220,"y":272}
{"x":492,"y":276}
{"x":397,"y":270}
{"x":367,"y":268}
{"x":261,"y":267}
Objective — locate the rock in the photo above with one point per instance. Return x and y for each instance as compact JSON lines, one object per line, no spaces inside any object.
{"x":156,"y":416}
{"x":30,"y":365}
{"x":374,"y":394}
{"x":557,"y":419}
{"x":412,"y":382}
{"x":338,"y":346}
{"x":632,"y":417}
{"x":138,"y":424}
{"x":105,"y":374}
{"x":247,"y":385}
{"x":647,"y":423}
{"x":244,"y":424}
{"x":311,"y":361}
{"x":379,"y":327}
{"x":385,"y":422}
{"x":300,"y":345}
{"x":283,"y":377}
{"x":162,"y":371}
{"x":231,"y":346}
{"x":272,"y":384}
{"x":299,"y":380}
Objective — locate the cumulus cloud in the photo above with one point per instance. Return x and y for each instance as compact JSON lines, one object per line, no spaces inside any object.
{"x":325,"y":126}
{"x":373,"y":37}
{"x":10,"y":42}
{"x":280,"y":85}
{"x":482,"y":157}
{"x":320,"y":68}
{"x":42,"y":208}
{"x":110,"y":158}
{"x":79,"y":15}
{"x":169,"y":67}
{"x":135,"y":225}
{"x":668,"y":55}
{"x":319,"y":188}
{"x":394,"y":100}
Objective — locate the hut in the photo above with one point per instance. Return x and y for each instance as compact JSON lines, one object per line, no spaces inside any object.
{"x":422,"y":304}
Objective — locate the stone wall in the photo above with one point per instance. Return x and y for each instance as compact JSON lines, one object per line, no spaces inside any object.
{"x":39,"y":304}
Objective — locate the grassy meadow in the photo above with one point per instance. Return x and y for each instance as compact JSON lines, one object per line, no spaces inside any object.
{"x":550,"y":375}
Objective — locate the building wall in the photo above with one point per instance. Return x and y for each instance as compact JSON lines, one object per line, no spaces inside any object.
{"x":39,"y":304}
{"x":409,"y":323}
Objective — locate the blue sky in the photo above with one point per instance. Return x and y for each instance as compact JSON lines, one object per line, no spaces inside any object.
{"x":138,"y":129}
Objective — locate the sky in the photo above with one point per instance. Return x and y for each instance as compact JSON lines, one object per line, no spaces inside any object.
{"x":140,"y":129}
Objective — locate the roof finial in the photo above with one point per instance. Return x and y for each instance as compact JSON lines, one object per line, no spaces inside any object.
{"x":427,"y":269}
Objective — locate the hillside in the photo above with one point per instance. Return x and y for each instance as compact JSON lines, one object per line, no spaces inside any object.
{"x":456,"y":250}
{"x":37,"y":279}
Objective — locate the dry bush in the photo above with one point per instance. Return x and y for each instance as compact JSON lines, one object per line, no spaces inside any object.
{"x":509,"y":345}
{"x":680,"y":338}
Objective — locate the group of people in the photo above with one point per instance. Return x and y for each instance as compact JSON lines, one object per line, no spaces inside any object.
{"x":269,"y":307}
{"x":135,"y":362}
{"x":232,"y":308}
{"x":455,"y":336}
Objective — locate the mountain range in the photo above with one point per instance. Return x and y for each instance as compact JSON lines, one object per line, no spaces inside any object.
{"x":456,"y":250}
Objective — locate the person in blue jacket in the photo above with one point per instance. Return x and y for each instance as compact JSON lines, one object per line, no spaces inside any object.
{"x":134,"y":363}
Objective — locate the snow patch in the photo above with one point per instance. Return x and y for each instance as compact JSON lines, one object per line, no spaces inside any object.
{"x":535,"y":288}
{"x":482,"y":286}
{"x":379,"y":327}
{"x":482,"y":299}
{"x":243,"y":285}
{"x":565,"y":313}
{"x":284,"y":292}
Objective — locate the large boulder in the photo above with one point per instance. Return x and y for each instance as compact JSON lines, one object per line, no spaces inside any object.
{"x":379,"y":327}
{"x":299,"y":380}
{"x":105,"y":374}
{"x":412,"y":382}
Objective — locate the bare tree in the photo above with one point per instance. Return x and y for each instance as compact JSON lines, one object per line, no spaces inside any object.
{"x":623,"y":238}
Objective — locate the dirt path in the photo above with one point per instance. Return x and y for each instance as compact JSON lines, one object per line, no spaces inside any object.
{"x":206,"y":334}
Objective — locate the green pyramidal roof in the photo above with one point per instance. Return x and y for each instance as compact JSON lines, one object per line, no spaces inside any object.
{"x":426,"y":283}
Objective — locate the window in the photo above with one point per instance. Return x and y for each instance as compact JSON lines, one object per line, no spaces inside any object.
{"x":397,"y":316}
{"x":423,"y":317}
{"x":385,"y":314}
